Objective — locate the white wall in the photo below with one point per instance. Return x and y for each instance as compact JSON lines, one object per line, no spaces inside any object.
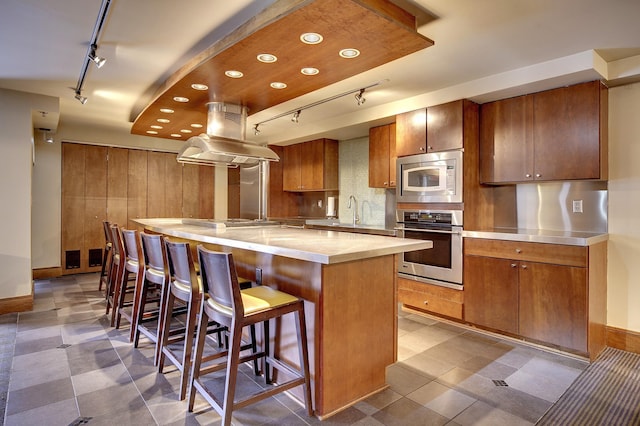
{"x":624,"y":208}
{"x":16,"y":156}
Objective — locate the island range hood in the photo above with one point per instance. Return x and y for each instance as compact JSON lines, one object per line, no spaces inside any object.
{"x":224,"y":143}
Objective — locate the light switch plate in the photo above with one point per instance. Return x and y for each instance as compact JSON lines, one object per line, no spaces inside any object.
{"x":577,"y":206}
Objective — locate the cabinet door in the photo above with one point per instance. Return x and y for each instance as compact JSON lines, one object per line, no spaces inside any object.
{"x":291,"y":168}
{"x":312,"y":165}
{"x":95,"y":181}
{"x":411,"y":132}
{"x":393,"y":155}
{"x":566,"y":132}
{"x":73,"y":206}
{"x":506,"y":145}
{"x":553,"y":304}
{"x":379,"y":157}
{"x":156,"y":191}
{"x":445,"y":127}
{"x":136,"y":187}
{"x":491,"y":293}
{"x":117,"y":175}
{"x":173,"y":186}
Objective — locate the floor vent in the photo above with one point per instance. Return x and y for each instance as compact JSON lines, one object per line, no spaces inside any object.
{"x":65,"y":346}
{"x":500,"y":383}
{"x":80,"y":421}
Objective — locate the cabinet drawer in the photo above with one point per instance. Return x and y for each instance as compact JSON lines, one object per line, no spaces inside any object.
{"x":439,"y":300}
{"x":533,"y":252}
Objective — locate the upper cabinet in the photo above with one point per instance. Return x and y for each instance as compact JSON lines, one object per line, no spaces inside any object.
{"x":558,"y":134}
{"x":411,"y":133}
{"x":310,"y":166}
{"x":382,"y":156}
{"x":434,"y":129}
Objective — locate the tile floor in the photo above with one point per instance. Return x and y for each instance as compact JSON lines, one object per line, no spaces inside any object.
{"x":63,"y":365}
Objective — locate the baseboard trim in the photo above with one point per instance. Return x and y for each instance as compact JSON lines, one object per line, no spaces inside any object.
{"x":625,"y":340}
{"x":16,"y":304}
{"x":44,"y":273}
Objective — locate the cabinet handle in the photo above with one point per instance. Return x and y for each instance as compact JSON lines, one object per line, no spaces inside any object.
{"x":385,"y":183}
{"x":426,"y":302}
{"x":430,"y":148}
{"x":518,"y":250}
{"x":513,"y":265}
{"x":538,"y":175}
{"x":392,"y":182}
{"x":421,"y":148}
{"x":524,"y":266}
{"x":528,"y":175}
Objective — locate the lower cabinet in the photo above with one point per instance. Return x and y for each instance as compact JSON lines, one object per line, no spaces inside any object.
{"x":549,"y":293}
{"x":430,"y":298}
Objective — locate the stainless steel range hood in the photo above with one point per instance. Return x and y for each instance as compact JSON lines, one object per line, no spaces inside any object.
{"x":224,"y":143}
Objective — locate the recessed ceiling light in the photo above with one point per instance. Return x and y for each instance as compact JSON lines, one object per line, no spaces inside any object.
{"x":196,"y":125}
{"x":198,"y":86}
{"x":155,"y":126}
{"x":311,"y":38}
{"x":309,"y":71}
{"x":233,"y":74}
{"x":267,"y":58}
{"x":186,"y":131}
{"x":167,"y":110}
{"x":152,"y":132}
{"x":349,"y":53}
{"x":278,"y":85}
{"x":176,"y":135}
{"x":180,"y":99}
{"x":163,"y":120}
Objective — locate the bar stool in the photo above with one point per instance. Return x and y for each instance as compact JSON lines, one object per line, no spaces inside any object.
{"x":235,"y":308}
{"x":106,"y":257}
{"x":118,"y":260}
{"x":156,"y":274}
{"x":184,"y":286}
{"x":126,"y":241}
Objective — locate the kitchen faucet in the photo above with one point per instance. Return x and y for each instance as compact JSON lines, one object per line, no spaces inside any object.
{"x":356,"y":219}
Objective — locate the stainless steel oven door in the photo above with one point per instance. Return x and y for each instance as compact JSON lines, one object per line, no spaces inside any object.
{"x":442,"y":264}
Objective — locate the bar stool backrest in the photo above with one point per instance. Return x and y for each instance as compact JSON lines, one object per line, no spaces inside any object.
{"x":220,"y":281}
{"x":131,"y":246}
{"x":181,"y":267}
{"x":155,"y":257}
{"x":106,"y":226}
{"x":118,"y":247}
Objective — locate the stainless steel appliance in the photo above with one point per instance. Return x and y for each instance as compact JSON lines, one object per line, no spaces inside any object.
{"x":430,"y":178}
{"x":442,"y":264}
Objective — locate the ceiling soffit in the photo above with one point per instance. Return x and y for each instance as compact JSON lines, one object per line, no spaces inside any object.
{"x":380,"y":30}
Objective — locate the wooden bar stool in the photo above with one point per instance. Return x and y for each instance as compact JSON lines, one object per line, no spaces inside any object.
{"x":118,"y":260}
{"x":234,"y":308}
{"x":106,"y":257}
{"x":184,"y":285}
{"x":126,"y":240}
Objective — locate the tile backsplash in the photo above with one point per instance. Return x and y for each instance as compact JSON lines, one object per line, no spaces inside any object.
{"x":354,"y":180}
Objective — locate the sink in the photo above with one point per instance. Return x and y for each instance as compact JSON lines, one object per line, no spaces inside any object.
{"x":328,"y":224}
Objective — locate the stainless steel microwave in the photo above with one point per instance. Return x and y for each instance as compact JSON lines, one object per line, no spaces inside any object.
{"x":430,"y":178}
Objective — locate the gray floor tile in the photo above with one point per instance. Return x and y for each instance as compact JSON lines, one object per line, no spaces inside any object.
{"x":408,"y":413}
{"x":483,"y":414}
{"x":39,"y":395}
{"x":57,"y":413}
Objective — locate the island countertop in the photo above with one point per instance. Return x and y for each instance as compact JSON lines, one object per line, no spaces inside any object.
{"x":321,"y":246}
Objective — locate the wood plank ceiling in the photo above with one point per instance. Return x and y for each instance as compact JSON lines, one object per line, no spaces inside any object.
{"x":378,"y":29}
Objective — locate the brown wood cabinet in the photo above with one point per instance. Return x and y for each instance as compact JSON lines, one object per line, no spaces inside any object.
{"x":311,"y":166}
{"x":382,"y":156}
{"x":411,"y":132}
{"x":119,"y":184}
{"x":558,"y":134}
{"x":84,"y":204}
{"x":445,"y":126}
{"x":549,"y":293}
{"x":430,"y":298}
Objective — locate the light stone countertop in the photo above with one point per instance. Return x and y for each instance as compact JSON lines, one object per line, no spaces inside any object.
{"x":540,"y":236}
{"x":312,"y":245}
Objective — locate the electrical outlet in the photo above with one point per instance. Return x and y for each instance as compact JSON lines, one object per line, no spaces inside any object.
{"x":577,"y":206}
{"x":259,"y":276}
{"x":320,"y":203}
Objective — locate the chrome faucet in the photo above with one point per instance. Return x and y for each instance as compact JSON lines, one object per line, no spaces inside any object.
{"x":356,"y":219}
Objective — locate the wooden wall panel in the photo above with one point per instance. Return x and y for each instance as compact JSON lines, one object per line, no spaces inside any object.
{"x":73,"y":200}
{"x":117,"y":176}
{"x":190,"y":187}
{"x":156,"y":203}
{"x":136,"y":187}
{"x":173,"y":186}
{"x":95,"y":183}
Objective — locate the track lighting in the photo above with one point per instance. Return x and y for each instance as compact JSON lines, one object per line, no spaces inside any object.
{"x":256,"y":131}
{"x":296,"y":116}
{"x":99,"y":61}
{"x":360,"y":99}
{"x":82,"y":99}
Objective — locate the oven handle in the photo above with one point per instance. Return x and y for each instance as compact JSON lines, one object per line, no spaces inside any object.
{"x":456,"y":232}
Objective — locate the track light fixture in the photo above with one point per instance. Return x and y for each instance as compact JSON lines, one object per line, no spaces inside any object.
{"x":256,"y":131}
{"x":91,"y":51}
{"x":82,"y":99}
{"x":360,"y":99}
{"x":98,"y":60}
{"x":359,"y":94}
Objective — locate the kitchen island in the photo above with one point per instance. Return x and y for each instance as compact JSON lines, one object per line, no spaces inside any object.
{"x":348,"y":282}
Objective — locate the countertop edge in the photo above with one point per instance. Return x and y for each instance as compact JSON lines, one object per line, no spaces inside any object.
{"x":534,"y":237}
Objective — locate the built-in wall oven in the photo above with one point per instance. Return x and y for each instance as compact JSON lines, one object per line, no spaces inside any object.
{"x":442,"y":264}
